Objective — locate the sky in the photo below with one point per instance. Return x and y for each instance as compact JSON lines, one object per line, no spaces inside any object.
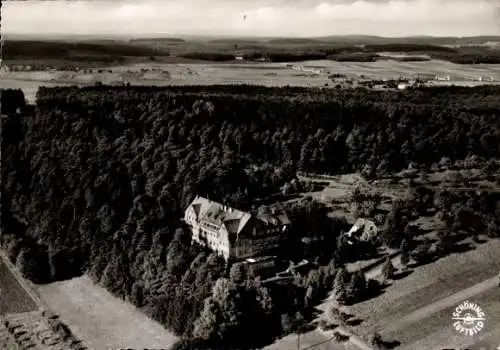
{"x":297,"y":18}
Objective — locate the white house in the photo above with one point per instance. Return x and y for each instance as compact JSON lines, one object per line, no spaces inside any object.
{"x":364,"y":230}
{"x":402,"y":86}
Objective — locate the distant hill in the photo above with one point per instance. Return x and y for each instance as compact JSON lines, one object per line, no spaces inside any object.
{"x":54,"y":49}
{"x":471,"y":50}
{"x":294,"y":41}
{"x":157,"y":40}
{"x":347,"y":39}
{"x":407,"y":47}
{"x":423,"y":40}
{"x":235,"y":42}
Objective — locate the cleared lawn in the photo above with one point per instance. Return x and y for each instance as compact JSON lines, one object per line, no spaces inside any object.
{"x":101,"y":320}
{"x":13,"y":297}
{"x":436,"y":331}
{"x":426,"y":285}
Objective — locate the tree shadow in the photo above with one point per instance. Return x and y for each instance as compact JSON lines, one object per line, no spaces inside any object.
{"x":459,"y":237}
{"x":391,"y":344}
{"x":340,"y":337}
{"x":309,"y":327}
{"x":362,"y":251}
{"x":423,"y":231}
{"x":370,"y":295}
{"x":481,"y":241}
{"x":401,"y":274}
{"x":354,"y":322}
{"x":423,"y":262}
{"x":369,"y":256}
{"x":314,"y":313}
{"x":347,"y":315}
{"x":462,"y":247}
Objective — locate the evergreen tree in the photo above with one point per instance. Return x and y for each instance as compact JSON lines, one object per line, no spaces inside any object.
{"x":238,"y":273}
{"x":388,"y":269}
{"x":26,"y":264}
{"x":341,"y":279}
{"x":405,"y":253}
{"x":492,"y":230}
{"x":357,"y":286}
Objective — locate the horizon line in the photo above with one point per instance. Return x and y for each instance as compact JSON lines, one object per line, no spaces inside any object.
{"x":236,"y":36}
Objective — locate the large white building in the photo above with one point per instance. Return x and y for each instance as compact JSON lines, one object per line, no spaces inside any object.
{"x":233,"y":233}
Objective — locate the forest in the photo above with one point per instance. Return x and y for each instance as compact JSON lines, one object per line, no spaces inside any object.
{"x":95,"y":180}
{"x":20,"y":49}
{"x":108,"y":52}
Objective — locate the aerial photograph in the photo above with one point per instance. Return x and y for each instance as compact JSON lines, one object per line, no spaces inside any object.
{"x":250,"y":174}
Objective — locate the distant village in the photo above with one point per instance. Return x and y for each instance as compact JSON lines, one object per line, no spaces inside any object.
{"x":338,"y":80}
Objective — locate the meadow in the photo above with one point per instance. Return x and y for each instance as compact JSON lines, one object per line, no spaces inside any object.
{"x":401,"y":312}
{"x":306,"y":74}
{"x":100,"y":319}
{"x":13,"y":297}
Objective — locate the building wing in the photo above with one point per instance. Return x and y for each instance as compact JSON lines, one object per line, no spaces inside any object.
{"x":214,"y":213}
{"x":233,"y":232}
{"x":235,"y":221}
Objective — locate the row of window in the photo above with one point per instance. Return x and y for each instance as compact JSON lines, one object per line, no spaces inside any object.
{"x":210,"y":226}
{"x":210,"y":234}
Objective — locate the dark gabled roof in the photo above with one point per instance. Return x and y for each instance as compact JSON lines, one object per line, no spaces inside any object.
{"x":234,"y":220}
{"x":218,"y":214}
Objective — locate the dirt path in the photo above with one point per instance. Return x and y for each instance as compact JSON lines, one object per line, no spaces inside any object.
{"x":416,"y":315}
{"x":442,"y":304}
{"x":354,"y":339}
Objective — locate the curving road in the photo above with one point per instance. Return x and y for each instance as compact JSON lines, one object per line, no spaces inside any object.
{"x":442,"y":304}
{"x":422,"y":313}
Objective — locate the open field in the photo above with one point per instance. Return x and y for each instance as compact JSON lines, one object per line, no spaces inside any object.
{"x":436,"y":330}
{"x":408,"y":298}
{"x":13,"y":297}
{"x":29,"y":87}
{"x":308,"y":73}
{"x":315,"y":339}
{"x":23,"y":324}
{"x":101,"y":320}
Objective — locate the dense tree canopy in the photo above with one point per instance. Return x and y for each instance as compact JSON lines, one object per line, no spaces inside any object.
{"x":96,"y":180}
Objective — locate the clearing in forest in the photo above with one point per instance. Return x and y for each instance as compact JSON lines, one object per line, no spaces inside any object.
{"x":100,"y":319}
